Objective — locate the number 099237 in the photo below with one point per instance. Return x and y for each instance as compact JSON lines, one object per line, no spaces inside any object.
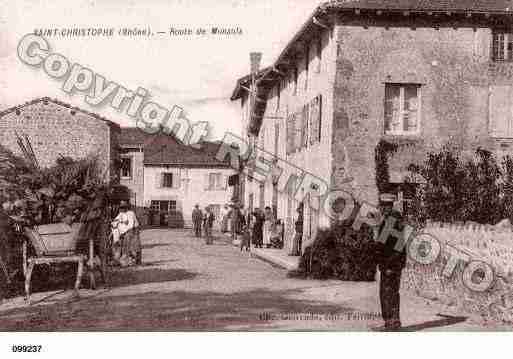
{"x":26,"y":348}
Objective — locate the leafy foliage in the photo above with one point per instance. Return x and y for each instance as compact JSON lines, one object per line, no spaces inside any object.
{"x":383,"y":149}
{"x":477,"y":189}
{"x":59,"y":193}
{"x":340,"y":252}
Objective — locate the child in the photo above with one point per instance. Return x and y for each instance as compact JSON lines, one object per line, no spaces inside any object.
{"x":277,"y":235}
{"x":245,"y":240}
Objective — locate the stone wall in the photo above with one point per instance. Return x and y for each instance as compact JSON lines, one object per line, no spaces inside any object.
{"x":480,"y":243}
{"x":55,"y":130}
{"x":452,"y":65}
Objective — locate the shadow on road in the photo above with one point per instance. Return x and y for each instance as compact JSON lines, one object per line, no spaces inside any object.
{"x":155,"y":245}
{"x":165,"y":311}
{"x":446,"y":321}
{"x":142,"y":275}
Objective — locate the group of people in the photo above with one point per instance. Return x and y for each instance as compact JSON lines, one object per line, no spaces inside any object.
{"x":203,"y":220}
{"x":266,"y":231}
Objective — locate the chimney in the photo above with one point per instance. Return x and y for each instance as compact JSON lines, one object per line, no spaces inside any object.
{"x":255,"y":58}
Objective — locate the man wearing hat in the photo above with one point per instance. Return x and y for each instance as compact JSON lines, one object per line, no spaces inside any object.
{"x":390,"y":263}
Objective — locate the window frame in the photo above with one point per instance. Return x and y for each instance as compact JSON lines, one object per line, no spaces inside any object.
{"x":319,"y":54}
{"x":307,"y":64}
{"x":131,"y":168}
{"x":164,"y":176}
{"x":402,"y":88}
{"x":507,"y":39}
{"x":218,"y":185}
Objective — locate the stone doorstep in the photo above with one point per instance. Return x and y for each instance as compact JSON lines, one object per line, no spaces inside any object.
{"x":278,"y":257}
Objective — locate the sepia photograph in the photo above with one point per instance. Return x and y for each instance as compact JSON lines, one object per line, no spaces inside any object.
{"x":254,"y":167}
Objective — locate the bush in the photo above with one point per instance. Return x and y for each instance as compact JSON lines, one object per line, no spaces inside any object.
{"x":340,"y":252}
{"x":456,"y":190}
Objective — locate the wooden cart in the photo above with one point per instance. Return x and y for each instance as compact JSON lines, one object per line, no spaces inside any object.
{"x":57,"y":243}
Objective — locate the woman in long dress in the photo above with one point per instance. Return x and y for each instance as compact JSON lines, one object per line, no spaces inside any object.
{"x":268,"y":226}
{"x":257,"y":224}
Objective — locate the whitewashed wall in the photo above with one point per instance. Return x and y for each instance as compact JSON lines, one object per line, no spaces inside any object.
{"x":192,"y":188}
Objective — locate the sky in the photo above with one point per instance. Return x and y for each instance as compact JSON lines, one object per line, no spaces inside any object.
{"x":197,"y":74}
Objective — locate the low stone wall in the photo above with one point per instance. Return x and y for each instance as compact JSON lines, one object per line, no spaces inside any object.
{"x":481,"y":243}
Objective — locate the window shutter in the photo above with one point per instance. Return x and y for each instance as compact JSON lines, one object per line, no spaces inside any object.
{"x":312,"y":120}
{"x":287,"y":134}
{"x":500,"y":111}
{"x":158,"y":179}
{"x":177,"y":179}
{"x":319,"y":118}
{"x":207,"y":181}
{"x":225,"y":182}
{"x":306,"y":113}
{"x":297,"y":131}
{"x":315,"y":115}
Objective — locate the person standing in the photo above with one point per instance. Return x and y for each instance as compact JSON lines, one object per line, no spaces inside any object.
{"x":125,"y":231}
{"x":209,"y":224}
{"x":268,"y":226}
{"x":242,"y":219}
{"x":257,"y":228}
{"x":298,"y":236}
{"x":235,"y":220}
{"x":224,"y":218}
{"x":390,"y":263}
{"x":197,"y":218}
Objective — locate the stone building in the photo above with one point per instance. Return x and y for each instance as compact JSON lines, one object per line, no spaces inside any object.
{"x":166,"y":175}
{"x":417,"y":74}
{"x":57,"y":129}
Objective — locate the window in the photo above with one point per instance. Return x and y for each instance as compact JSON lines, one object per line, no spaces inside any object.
{"x":298,"y":131}
{"x":502,"y":46}
{"x":402,"y":109}
{"x":278,"y":95}
{"x":295,"y":77}
{"x":163,"y":206}
{"x":126,"y":167}
{"x":167,"y":180}
{"x":304,"y":125}
{"x":307,"y":64}
{"x":291,"y":133}
{"x":319,"y":54}
{"x":276,"y":138}
{"x":315,"y":120}
{"x":215,"y":182}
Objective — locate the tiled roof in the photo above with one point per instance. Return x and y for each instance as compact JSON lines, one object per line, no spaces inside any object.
{"x":132,"y":136}
{"x":60,"y":103}
{"x":167,"y":150}
{"x":441,"y":5}
{"x":245,"y":81}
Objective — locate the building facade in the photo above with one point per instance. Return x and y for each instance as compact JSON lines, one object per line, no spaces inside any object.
{"x":56,"y":129}
{"x":167,"y":176}
{"x":415,"y":74}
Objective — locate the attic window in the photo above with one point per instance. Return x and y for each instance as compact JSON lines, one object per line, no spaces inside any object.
{"x":73,"y":112}
{"x":18,"y":112}
{"x":502,"y":46}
